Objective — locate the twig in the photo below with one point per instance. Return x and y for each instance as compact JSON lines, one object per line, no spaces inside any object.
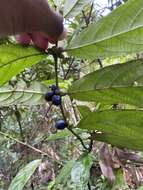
{"x":29,"y":146}
{"x":89,"y":187}
{"x":18,"y":118}
{"x":78,"y":137}
{"x":100,"y":63}
{"x":64,"y":74}
{"x":72,"y":61}
{"x":90,"y":13}
{"x":87,"y":18}
{"x":90,"y":145}
{"x":48,"y":110}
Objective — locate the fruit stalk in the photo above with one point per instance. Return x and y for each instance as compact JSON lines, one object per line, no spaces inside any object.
{"x":72,"y":131}
{"x":56,"y":67}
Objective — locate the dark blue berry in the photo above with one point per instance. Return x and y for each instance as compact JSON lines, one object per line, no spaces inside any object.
{"x":61,"y":124}
{"x":48,"y":96}
{"x":56,"y":100}
{"x":53,"y":87}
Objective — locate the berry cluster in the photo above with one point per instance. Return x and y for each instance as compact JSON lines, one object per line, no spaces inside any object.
{"x":55,"y":97}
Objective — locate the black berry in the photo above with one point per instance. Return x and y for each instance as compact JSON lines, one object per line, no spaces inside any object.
{"x":56,"y":100}
{"x":48,"y":96}
{"x":61,"y":124}
{"x":53,"y":87}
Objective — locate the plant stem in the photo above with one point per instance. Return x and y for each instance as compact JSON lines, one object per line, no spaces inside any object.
{"x":61,"y":106}
{"x":18,"y":118}
{"x":78,"y":137}
{"x":89,"y":187}
{"x":90,"y":145}
{"x":100,"y":63}
{"x":48,"y":109}
{"x":87,"y":18}
{"x":66,"y":75}
{"x":71,"y":130}
{"x":56,"y":67}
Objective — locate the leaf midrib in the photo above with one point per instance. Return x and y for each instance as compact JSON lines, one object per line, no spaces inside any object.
{"x":21,"y":91}
{"x":103,"y":39}
{"x":105,"y":88}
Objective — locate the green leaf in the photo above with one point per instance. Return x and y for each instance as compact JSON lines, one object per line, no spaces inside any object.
{"x":119,"y":33}
{"x":122,"y":128}
{"x":64,"y":173}
{"x":84,"y":110}
{"x":15,"y":58}
{"x":20,"y":94}
{"x":73,"y":7}
{"x":81,"y":171}
{"x":120,"y":83}
{"x":24,"y":175}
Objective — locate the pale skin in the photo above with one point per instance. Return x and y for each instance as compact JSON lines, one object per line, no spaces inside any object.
{"x":28,"y":16}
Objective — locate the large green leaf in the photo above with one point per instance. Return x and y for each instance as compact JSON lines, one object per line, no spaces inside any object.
{"x":64,"y":173}
{"x":20,"y":94}
{"x":120,"y":83}
{"x":74,"y":7}
{"x":15,"y":58}
{"x":119,"y":33}
{"x":24,"y":175}
{"x":80,"y":172}
{"x":123,"y":128}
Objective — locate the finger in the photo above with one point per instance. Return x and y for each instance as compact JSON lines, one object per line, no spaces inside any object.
{"x":54,"y":40}
{"x":39,"y":40}
{"x":23,"y":39}
{"x":63,"y":35}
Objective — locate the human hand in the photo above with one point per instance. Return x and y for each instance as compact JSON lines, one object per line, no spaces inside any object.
{"x":47,"y":28}
{"x":39,"y":39}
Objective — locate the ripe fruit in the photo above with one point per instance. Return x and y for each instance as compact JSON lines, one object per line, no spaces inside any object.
{"x":23,"y":39}
{"x":53,"y":87}
{"x":56,"y":100}
{"x":48,"y":96}
{"x":61,"y":124}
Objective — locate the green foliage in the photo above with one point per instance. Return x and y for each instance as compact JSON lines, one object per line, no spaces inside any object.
{"x":64,"y":173}
{"x":62,"y":134}
{"x":80,"y":173}
{"x":120,"y":83}
{"x":84,"y":111}
{"x":15,"y":58}
{"x":74,"y":7}
{"x":122,"y":128}
{"x":24,"y":175}
{"x":21,"y":94}
{"x":119,"y":33}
